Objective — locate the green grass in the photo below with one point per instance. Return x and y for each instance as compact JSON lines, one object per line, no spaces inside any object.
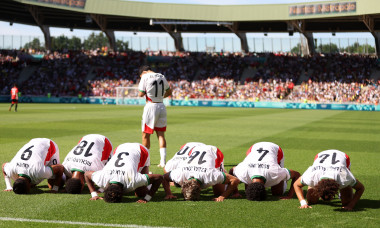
{"x":300,"y":133}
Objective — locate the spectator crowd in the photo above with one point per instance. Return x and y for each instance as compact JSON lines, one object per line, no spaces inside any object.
{"x":271,"y":77}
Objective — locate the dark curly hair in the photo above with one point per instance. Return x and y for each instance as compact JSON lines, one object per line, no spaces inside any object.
{"x":191,"y":190}
{"x":144,"y":68}
{"x":327,"y":189}
{"x":256,"y":192}
{"x":74,"y":186}
{"x":113,"y":193}
{"x":20,"y":186}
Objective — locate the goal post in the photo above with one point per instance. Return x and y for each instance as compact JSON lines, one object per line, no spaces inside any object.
{"x":128,"y":96}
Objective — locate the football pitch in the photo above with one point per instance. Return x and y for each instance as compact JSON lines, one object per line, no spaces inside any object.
{"x":300,"y":133}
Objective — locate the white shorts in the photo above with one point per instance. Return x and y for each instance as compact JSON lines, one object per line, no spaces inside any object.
{"x":154,"y":118}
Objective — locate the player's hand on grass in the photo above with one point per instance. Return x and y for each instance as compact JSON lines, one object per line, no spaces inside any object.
{"x":170,"y":197}
{"x":141,"y":201}
{"x":8,"y":190}
{"x":305,"y":206}
{"x":96,"y":198}
{"x":219,"y":199}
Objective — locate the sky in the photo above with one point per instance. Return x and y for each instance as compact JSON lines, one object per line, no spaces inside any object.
{"x":17,"y":34}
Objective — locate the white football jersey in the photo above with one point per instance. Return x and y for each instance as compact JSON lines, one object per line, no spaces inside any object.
{"x":33,"y":160}
{"x":205,"y":156}
{"x":154,"y":85}
{"x":91,"y":154}
{"x":264,"y":160}
{"x":265,"y":152}
{"x":125,"y":167}
{"x":334,"y":158}
{"x":181,"y":155}
{"x":271,"y":173}
{"x":203,"y":164}
{"x":341,"y":174}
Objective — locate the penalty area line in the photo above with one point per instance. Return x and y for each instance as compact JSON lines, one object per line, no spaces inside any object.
{"x":76,"y":223}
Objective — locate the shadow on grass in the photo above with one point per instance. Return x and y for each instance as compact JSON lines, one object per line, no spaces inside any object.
{"x":362,"y":205}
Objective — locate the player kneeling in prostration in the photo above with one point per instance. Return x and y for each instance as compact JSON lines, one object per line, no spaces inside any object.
{"x":91,"y":154}
{"x":35,"y":161}
{"x":263,"y":167}
{"x":200,"y":171}
{"x":125,"y":172}
{"x":329,"y":174}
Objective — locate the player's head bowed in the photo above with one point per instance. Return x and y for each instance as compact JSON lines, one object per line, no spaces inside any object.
{"x":74,"y":186}
{"x":327,"y":189}
{"x":191,"y":190}
{"x":113,"y":193}
{"x":21,"y":186}
{"x":256,"y":192}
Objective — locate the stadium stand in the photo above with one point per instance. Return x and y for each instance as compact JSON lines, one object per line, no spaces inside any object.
{"x":331,"y":78}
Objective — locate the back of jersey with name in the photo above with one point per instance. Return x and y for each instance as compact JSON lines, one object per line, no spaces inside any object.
{"x":130,"y":157}
{"x":333,"y":158}
{"x":33,"y":158}
{"x":36,"y":152}
{"x":91,"y":154}
{"x":154,"y":85}
{"x":206,"y":156}
{"x":264,"y":152}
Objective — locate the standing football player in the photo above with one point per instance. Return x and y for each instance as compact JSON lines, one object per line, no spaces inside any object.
{"x":35,"y":161}
{"x":329,"y":174}
{"x":263,"y":167}
{"x":91,"y":154}
{"x":14,"y":97}
{"x":155,"y":88}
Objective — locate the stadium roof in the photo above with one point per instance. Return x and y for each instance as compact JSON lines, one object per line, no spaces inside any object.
{"x":130,"y":15}
{"x":124,"y":15}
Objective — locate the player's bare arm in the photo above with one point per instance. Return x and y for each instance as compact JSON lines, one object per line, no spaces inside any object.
{"x":294,"y":175}
{"x":232,"y":183}
{"x":298,"y":190}
{"x":168,"y":92}
{"x":141,"y":94}
{"x":359,"y":189}
{"x":235,"y":192}
{"x":156,"y":180}
{"x":57,"y":172}
{"x":90,"y":185}
{"x":165,"y":184}
{"x":7,"y":180}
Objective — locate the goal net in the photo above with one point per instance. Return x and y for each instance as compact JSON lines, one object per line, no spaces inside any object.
{"x":128,"y":95}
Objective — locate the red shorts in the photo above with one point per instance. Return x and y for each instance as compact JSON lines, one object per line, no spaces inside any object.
{"x":14,"y":101}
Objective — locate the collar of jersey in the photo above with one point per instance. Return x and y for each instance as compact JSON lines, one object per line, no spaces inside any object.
{"x":200,"y":182}
{"x":259,"y":177}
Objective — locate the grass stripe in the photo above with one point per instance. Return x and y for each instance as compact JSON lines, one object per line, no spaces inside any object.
{"x":76,"y":223}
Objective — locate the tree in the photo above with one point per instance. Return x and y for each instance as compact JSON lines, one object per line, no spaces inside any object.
{"x":95,"y":41}
{"x":296,"y":49}
{"x":34,"y":44}
{"x":328,"y":48}
{"x":121,"y":45}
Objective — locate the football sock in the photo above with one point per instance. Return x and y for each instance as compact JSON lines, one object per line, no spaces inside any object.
{"x":163,"y":156}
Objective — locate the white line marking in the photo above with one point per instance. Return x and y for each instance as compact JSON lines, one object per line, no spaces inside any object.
{"x":77,"y":223}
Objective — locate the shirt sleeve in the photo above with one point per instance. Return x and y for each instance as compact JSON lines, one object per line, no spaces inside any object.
{"x":142,"y":85}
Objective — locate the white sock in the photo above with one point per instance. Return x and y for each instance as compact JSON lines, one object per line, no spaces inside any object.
{"x":163,"y":156}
